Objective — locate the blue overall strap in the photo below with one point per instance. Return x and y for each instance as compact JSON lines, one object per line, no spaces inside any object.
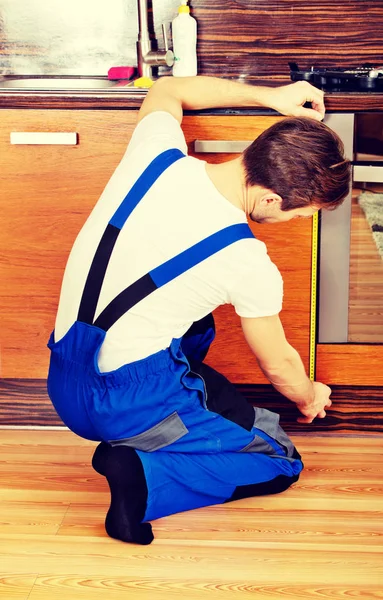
{"x":168,"y":271}
{"x":104,"y":250}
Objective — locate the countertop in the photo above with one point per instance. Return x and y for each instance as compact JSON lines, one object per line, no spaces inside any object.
{"x":122,"y":100}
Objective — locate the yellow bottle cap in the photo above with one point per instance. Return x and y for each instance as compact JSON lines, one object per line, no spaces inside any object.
{"x":183,"y":9}
{"x":143,"y":82}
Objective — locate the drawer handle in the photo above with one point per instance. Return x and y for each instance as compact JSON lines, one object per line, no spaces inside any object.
{"x":368,"y":173}
{"x":229,"y":146}
{"x":43,"y":138}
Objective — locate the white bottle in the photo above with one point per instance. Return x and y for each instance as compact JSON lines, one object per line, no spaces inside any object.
{"x":184,"y":33}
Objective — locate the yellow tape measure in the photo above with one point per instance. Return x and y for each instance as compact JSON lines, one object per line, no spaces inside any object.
{"x":313,"y":302}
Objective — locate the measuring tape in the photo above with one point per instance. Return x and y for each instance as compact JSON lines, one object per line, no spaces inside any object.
{"x":313,"y":302}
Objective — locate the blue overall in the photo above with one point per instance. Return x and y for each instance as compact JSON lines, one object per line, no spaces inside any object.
{"x":192,"y":456}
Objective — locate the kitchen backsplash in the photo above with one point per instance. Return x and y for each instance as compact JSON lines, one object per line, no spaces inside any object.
{"x":243,"y":39}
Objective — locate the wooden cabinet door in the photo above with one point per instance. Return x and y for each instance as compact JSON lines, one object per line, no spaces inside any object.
{"x":47,"y":192}
{"x":46,"y":195}
{"x":289,"y":246}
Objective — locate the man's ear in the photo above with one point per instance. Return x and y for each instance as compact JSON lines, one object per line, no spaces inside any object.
{"x":271,"y":199}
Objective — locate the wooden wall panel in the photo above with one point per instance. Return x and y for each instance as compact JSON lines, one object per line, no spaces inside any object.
{"x":249,"y":39}
{"x":350,"y":364}
{"x":242,"y":39}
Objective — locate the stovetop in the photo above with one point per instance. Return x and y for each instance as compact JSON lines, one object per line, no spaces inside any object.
{"x":366,"y":78}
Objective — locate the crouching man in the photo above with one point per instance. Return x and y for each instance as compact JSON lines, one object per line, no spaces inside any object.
{"x":166,"y":244}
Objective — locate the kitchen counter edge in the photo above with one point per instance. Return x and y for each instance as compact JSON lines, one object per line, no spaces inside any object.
{"x":119,"y":100}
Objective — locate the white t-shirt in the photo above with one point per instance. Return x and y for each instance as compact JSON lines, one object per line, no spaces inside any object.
{"x":181,"y":208}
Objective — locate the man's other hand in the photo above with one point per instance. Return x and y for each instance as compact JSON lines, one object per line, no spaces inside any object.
{"x":290,"y":99}
{"x":316,"y":407}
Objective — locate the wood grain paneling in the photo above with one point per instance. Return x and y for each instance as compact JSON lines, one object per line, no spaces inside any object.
{"x":120,"y":100}
{"x":350,"y":364}
{"x":242,"y":39}
{"x":249,"y":39}
{"x":26,"y":402}
{"x":355,"y":410}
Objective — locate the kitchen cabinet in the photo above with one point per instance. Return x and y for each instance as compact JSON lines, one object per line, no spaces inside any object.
{"x":47,"y":193}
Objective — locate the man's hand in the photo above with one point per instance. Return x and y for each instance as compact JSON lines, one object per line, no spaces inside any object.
{"x":289,"y":100}
{"x":315,"y":407}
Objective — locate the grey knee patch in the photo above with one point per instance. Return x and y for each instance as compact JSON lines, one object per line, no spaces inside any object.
{"x":268,"y":422}
{"x":166,"y":432}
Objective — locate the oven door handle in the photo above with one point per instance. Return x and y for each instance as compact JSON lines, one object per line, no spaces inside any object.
{"x":221,"y":146}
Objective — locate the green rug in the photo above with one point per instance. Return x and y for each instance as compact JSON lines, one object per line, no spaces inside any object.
{"x":372,"y":206}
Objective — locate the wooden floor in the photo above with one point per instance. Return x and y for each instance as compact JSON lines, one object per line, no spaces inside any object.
{"x":320,"y":539}
{"x":365,"y":322}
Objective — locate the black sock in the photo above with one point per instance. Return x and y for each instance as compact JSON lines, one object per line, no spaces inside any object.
{"x":129,"y":493}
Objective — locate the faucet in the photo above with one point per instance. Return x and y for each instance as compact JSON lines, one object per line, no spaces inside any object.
{"x":146,"y":57}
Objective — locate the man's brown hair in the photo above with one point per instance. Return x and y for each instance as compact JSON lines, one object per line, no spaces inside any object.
{"x":302,"y":161}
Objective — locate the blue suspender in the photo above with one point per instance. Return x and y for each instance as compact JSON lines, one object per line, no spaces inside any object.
{"x":158,"y":276}
{"x":143,"y":185}
{"x":199,"y":252}
{"x":170,"y":270}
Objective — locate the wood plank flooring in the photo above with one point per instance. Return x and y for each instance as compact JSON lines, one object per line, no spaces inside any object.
{"x":320,"y":539}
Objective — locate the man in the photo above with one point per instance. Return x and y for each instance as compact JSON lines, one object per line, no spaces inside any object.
{"x":166,"y":244}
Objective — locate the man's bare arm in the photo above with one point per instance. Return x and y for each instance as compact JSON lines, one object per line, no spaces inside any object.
{"x":176,"y":94}
{"x":282,"y":365}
